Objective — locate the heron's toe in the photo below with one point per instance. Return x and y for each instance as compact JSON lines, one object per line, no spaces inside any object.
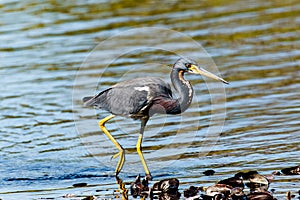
{"x":115,"y":156}
{"x":149,"y":177}
{"x":121,"y":161}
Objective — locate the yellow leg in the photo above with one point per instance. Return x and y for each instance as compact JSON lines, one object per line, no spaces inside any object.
{"x":139,"y":148}
{"x":121,"y":150}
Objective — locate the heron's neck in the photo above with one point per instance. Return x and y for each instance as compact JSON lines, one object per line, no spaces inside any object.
{"x":185,"y":90}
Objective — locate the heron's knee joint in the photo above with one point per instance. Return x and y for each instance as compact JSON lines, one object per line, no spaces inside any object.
{"x":101,"y":124}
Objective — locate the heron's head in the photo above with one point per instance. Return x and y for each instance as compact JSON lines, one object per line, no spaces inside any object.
{"x":190,"y":66}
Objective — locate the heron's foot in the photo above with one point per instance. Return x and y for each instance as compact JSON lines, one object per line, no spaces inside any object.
{"x":148,"y":177}
{"x":121,"y":161}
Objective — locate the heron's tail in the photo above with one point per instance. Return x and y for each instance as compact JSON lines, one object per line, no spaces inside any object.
{"x":99,"y":100}
{"x":88,"y":101}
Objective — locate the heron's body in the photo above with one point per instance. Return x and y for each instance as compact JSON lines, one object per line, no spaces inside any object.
{"x":140,"y":98}
{"x":133,"y":98}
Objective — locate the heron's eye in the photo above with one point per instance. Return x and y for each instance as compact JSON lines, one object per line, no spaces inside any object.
{"x":188,"y":65}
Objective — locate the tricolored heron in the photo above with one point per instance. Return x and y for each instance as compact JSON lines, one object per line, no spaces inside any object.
{"x":140,"y":98}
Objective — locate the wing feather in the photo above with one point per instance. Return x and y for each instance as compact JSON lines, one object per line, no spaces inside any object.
{"x":131,"y":97}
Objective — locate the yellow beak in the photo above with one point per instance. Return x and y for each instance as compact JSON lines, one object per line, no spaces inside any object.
{"x":195,"y":70}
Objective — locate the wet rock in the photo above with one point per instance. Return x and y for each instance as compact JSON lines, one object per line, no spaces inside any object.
{"x":237,"y":194}
{"x":219,"y":197}
{"x":227,"y":189}
{"x":167,"y":196}
{"x":233,"y":182}
{"x":167,"y":185}
{"x":291,"y":170}
{"x":138,"y":186}
{"x":246,"y":175}
{"x":209,"y":172}
{"x":217,"y":189}
{"x":252,"y":179}
{"x":224,"y":192}
{"x":264,"y":195}
{"x":166,"y":189}
{"x":80,"y":185}
{"x":191,"y":192}
{"x":258,"y":181}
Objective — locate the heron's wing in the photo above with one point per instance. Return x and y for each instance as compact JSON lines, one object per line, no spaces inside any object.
{"x":135,"y":97}
{"x":130,"y":97}
{"x":142,"y":81}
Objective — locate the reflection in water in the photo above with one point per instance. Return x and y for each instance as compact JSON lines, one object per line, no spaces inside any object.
{"x":42,"y":45}
{"x":123,"y":190}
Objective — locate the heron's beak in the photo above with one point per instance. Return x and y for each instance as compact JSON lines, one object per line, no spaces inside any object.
{"x":196,"y":70}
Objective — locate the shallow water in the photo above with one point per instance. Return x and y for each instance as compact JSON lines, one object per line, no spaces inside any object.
{"x":49,"y":141}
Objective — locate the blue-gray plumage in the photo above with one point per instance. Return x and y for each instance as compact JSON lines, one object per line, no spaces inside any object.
{"x":140,"y":98}
{"x":131,"y":98}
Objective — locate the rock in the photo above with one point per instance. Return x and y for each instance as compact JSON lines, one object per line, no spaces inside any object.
{"x":209,"y":172}
{"x":167,"y":196}
{"x":167,"y":185}
{"x":258,"y":181}
{"x":218,"y":189}
{"x":138,"y":186}
{"x":237,"y":194}
{"x":233,"y":182}
{"x":191,"y":192}
{"x":291,"y":170}
{"x":265,"y":195}
{"x":246,"y":175}
{"x":80,"y":185}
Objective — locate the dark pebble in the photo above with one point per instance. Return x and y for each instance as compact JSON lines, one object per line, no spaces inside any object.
{"x":191,"y":192}
{"x":233,"y":181}
{"x":209,"y":172}
{"x":258,"y":181}
{"x":246,"y":175}
{"x":218,"y":188}
{"x":260,"y":196}
{"x":291,"y":170}
{"x":167,"y":196}
{"x":272,"y":190}
{"x":80,"y":185}
{"x":167,"y":185}
{"x":138,"y":186}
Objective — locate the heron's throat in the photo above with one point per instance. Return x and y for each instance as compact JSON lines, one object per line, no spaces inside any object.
{"x":184,"y":89}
